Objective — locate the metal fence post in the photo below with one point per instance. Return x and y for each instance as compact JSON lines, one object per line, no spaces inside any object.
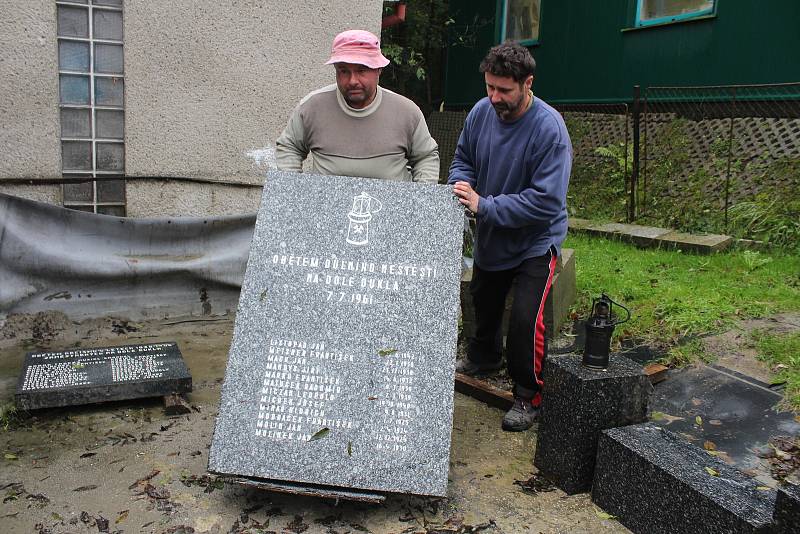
{"x":730,"y":157}
{"x":635,"y":166}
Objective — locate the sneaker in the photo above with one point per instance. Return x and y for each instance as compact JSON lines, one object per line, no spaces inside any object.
{"x":470,"y":368}
{"x":521,"y":416}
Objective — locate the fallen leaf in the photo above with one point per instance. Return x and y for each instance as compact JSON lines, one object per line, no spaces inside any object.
{"x":86,"y":488}
{"x":123,"y":515}
{"x":349,"y":448}
{"x":709,"y":446}
{"x":661,"y":416}
{"x":603,"y":515}
{"x":762,"y":488}
{"x":319,"y":434}
{"x":152,"y":474}
{"x":10,"y":456}
{"x":711,"y":471}
{"x":386,"y":352}
{"x":698,"y":421}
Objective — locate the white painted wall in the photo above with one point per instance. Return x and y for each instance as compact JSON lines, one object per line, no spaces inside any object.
{"x":209,"y":86}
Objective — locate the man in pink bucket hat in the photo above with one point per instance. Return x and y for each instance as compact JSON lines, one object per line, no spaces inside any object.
{"x":355,"y":127}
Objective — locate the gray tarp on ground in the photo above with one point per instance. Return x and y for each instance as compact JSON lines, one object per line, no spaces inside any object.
{"x":89,"y":265}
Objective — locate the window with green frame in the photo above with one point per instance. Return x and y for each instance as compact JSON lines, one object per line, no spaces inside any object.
{"x":520,"y":21}
{"x":649,"y":12}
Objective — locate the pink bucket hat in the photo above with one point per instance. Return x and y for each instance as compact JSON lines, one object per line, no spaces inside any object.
{"x":357,"y":46}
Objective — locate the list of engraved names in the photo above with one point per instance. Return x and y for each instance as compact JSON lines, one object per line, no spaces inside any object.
{"x":87,"y":366}
{"x":295,"y":391}
{"x":297,"y":394}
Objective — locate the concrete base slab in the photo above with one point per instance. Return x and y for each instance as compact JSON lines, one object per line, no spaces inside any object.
{"x":633,"y":233}
{"x":651,"y":236}
{"x":701,"y":244}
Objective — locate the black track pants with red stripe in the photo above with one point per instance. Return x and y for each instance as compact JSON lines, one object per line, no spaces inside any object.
{"x":526,"y":347}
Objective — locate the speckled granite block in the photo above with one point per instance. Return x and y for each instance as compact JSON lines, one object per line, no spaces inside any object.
{"x":89,"y":375}
{"x":576,"y":405}
{"x":655,"y":482}
{"x":342,"y":361}
{"x":787,"y":510}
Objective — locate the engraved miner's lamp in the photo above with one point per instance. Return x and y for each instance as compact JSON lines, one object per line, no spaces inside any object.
{"x":599,"y":327}
{"x":363,"y":208}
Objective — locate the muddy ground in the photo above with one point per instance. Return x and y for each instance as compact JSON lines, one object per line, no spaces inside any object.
{"x":127,"y":467}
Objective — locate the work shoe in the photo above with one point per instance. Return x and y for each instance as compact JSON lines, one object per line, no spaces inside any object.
{"x":470,"y":368}
{"x":521,"y":416}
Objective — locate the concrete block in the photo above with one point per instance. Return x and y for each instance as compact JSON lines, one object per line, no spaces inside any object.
{"x":642,"y":236}
{"x":577,"y":224}
{"x":701,"y":244}
{"x":655,"y":482}
{"x":562,"y":295}
{"x":577,"y":404}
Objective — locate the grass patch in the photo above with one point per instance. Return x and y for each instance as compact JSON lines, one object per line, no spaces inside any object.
{"x":9,"y":416}
{"x":782,"y":354}
{"x":675,"y":296}
{"x":686,"y":353}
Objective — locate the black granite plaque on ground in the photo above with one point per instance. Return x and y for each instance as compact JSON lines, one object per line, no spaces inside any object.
{"x":341,"y":367}
{"x":787,"y":509}
{"x":577,"y":404}
{"x":654,"y":481}
{"x":85,"y":376}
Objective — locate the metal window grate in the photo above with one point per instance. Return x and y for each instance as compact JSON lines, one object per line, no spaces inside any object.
{"x":91,"y":96}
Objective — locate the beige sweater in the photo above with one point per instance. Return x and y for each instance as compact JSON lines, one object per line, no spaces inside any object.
{"x":383,"y":140}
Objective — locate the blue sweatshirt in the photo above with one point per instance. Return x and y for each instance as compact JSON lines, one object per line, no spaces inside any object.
{"x":521,"y":171}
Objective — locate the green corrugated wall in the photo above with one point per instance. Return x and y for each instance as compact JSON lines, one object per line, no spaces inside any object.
{"x":585,"y":56}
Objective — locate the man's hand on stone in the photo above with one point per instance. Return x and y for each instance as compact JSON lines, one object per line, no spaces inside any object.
{"x":467,"y":196}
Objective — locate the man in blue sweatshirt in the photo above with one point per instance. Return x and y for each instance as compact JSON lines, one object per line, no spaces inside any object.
{"x":511,"y":169}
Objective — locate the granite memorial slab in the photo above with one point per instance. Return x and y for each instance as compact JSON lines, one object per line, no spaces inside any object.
{"x":340,"y":373}
{"x":85,"y":376}
{"x":654,"y":481}
{"x":787,"y":509}
{"x":746,"y":413}
{"x":577,"y":404}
